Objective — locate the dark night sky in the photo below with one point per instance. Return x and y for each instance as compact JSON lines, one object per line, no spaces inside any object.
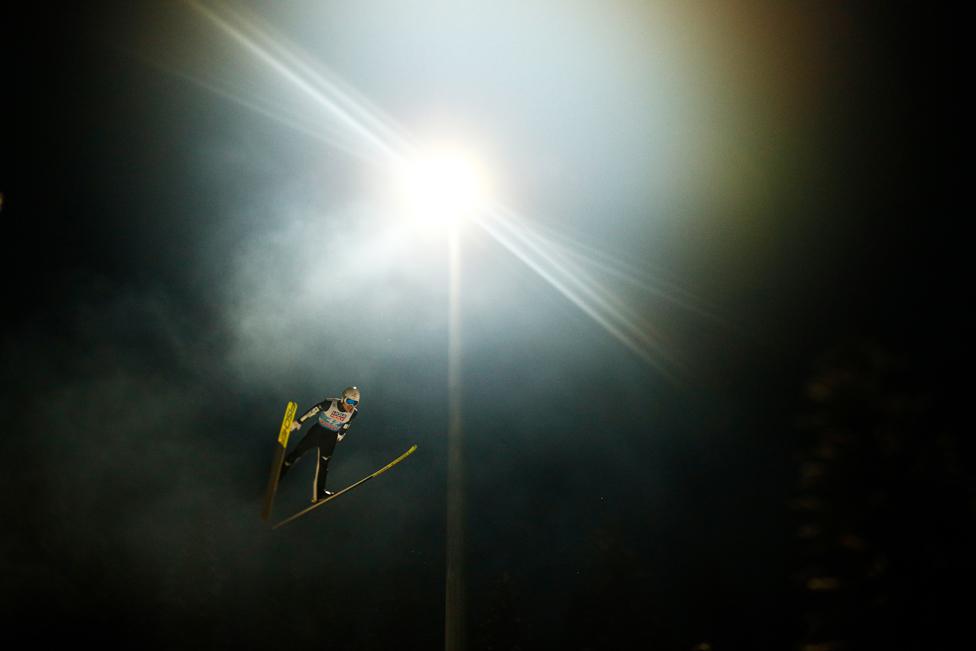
{"x":164,"y":303}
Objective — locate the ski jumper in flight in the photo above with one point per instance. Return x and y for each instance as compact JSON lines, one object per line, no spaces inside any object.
{"x":333,"y":417}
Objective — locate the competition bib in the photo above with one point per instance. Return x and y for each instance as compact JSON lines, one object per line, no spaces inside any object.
{"x":333,"y":417}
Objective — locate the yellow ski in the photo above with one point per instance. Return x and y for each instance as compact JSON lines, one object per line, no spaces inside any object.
{"x":279,"y":456}
{"x":348,"y":488}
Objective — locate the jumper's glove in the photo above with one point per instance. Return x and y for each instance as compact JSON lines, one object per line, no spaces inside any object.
{"x":295,"y":425}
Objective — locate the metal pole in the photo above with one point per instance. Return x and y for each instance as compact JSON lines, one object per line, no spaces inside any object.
{"x":454,"y":612}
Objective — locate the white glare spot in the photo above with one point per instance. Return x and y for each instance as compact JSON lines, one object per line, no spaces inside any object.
{"x":441,"y":187}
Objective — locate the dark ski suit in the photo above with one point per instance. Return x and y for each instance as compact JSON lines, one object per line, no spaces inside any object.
{"x":330,"y":428}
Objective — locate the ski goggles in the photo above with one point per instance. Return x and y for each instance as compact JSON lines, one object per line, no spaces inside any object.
{"x":350,"y":401}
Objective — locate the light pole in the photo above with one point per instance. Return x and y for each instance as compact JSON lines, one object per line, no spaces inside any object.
{"x":441,"y":188}
{"x":454,"y":611}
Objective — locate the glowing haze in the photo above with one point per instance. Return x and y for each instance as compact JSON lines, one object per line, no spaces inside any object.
{"x":434,"y":184}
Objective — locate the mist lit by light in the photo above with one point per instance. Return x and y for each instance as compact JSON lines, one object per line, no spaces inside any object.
{"x":436,"y":186}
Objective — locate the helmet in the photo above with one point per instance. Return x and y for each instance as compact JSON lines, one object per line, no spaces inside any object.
{"x":350,"y":396}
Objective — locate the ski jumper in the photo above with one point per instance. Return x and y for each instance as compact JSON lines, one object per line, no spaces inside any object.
{"x":331,"y":426}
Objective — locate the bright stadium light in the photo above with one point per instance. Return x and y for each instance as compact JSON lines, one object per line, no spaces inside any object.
{"x":440,"y":188}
